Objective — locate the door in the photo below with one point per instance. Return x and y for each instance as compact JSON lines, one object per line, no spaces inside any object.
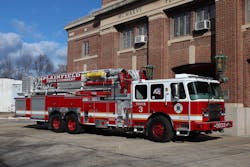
{"x":140,"y":105}
{"x":179,"y":104}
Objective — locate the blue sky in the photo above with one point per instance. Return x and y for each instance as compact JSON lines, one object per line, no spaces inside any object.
{"x":37,"y":26}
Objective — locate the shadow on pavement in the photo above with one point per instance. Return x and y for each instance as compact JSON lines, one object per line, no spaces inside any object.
{"x":198,"y":138}
{"x":122,"y":133}
{"x":2,"y":164}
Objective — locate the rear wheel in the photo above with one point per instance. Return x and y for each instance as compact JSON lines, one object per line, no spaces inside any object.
{"x":159,"y":129}
{"x":56,"y":123}
{"x":73,"y":125}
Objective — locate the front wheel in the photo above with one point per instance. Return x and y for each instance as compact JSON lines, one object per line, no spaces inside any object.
{"x":159,"y":129}
{"x":72,"y":124}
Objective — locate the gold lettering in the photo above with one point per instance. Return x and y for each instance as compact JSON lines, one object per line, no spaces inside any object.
{"x":130,"y":13}
{"x":169,"y":1}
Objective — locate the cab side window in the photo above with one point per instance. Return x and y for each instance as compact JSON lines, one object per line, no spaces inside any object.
{"x":157,"y":91}
{"x":141,"y":92}
{"x":181,"y":90}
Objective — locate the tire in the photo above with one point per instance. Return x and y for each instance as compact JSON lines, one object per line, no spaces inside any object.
{"x":56,"y":123}
{"x":159,"y":129}
{"x":72,"y":124}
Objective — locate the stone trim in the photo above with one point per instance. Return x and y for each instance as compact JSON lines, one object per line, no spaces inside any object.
{"x":187,"y":38}
{"x":86,"y":58}
{"x":85,"y":34}
{"x":110,"y":4}
{"x":134,"y":50}
{"x":113,"y":6}
{"x":235,"y":104}
{"x":157,"y":16}
{"x":245,"y":27}
{"x":107,"y":30}
{"x":180,"y":39}
{"x":125,"y":51}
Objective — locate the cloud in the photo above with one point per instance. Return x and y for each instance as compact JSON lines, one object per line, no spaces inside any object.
{"x":21,"y":26}
{"x":12,"y":45}
{"x":26,"y":29}
{"x":62,"y":52}
{"x":55,"y":51}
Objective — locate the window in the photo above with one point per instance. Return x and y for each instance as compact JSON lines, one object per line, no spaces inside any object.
{"x":248,"y":11}
{"x":199,"y":90}
{"x":181,"y":25}
{"x":181,"y":90}
{"x":204,"y":90}
{"x":143,"y":29}
{"x":85,"y":48}
{"x":157,"y":91}
{"x":141,"y":92}
{"x":205,"y":13}
{"x":127,"y":39}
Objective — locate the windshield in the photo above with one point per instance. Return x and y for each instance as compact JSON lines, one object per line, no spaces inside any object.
{"x":204,"y":90}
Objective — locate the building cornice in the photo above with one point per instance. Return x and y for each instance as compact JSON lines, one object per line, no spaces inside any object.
{"x":111,"y":3}
{"x":163,"y":5}
{"x":110,"y":7}
{"x":91,"y":17}
{"x":80,"y":21}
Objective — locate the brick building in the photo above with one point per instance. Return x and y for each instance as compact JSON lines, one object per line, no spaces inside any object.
{"x":175,"y":36}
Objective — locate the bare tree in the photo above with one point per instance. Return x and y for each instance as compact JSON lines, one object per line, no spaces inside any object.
{"x":43,"y":65}
{"x":7,"y":68}
{"x":24,"y":66}
{"x":61,"y":68}
{"x":25,"y":63}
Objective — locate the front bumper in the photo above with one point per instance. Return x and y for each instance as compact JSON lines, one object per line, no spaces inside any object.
{"x":211,"y":126}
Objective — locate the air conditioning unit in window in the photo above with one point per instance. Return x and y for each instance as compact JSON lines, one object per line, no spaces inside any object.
{"x":202,"y":25}
{"x":140,"y":39}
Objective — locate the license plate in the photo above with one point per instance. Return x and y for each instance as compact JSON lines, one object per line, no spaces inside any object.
{"x":221,"y":125}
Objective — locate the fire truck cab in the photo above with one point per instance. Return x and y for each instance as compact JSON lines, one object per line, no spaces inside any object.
{"x":126,"y":100}
{"x":188,"y":103}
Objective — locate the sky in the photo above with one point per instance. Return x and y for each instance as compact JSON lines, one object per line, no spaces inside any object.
{"x":37,"y":26}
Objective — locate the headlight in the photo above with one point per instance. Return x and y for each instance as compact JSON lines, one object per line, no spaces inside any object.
{"x":222,"y":113}
{"x":205,"y":114}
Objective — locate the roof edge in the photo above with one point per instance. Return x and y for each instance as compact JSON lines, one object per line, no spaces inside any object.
{"x":79,"y":21}
{"x":114,"y":6}
{"x":92,"y":16}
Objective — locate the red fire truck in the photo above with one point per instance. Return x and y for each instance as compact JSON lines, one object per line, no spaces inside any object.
{"x":126,"y":100}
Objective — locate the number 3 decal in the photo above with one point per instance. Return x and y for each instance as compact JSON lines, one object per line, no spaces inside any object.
{"x":140,"y":108}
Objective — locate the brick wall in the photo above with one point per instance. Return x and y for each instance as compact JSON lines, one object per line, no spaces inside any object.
{"x":109,"y":48}
{"x":229,"y":38}
{"x":141,"y":58}
{"x":203,"y":49}
{"x":75,"y":52}
{"x":158,"y":36}
{"x":229,"y":41}
{"x":178,"y":55}
{"x":83,"y":29}
{"x":125,"y":60}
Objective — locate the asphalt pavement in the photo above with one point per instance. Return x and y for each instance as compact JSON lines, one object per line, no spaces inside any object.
{"x":24,"y":144}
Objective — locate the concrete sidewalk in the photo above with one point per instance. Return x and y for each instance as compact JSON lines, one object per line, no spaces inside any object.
{"x":7,"y":114}
{"x":10,"y":115}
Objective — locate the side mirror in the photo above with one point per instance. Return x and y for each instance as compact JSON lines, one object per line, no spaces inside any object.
{"x":175,"y":91}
